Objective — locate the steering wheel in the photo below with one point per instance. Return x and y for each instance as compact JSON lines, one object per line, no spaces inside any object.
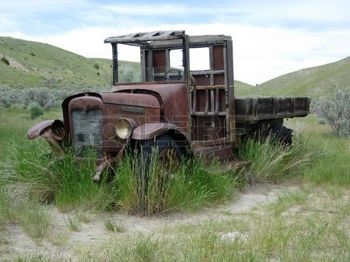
{"x":179,"y":75}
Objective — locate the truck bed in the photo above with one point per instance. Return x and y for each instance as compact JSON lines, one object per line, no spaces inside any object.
{"x":254,"y":109}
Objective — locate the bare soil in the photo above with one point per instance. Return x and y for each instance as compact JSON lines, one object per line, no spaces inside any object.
{"x":91,"y":228}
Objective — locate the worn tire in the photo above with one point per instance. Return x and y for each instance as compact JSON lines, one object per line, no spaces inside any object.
{"x":166,"y":148}
{"x":168,"y":155}
{"x":283,"y":135}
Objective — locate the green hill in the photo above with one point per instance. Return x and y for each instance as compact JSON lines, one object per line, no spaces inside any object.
{"x":32,"y":64}
{"x":314,"y":82}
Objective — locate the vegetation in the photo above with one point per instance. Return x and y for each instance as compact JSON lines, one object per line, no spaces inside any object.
{"x":26,"y":64}
{"x":33,"y":64}
{"x":191,"y":187}
{"x":308,"y":221}
{"x":271,"y":162}
{"x":35,"y":110}
{"x":314,"y":82}
{"x":335,"y":110}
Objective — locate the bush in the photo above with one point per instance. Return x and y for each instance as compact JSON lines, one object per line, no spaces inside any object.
{"x":129,"y":74}
{"x":6,"y":101}
{"x":335,"y":110}
{"x":41,"y":96}
{"x":35,"y":110}
{"x":5,"y":60}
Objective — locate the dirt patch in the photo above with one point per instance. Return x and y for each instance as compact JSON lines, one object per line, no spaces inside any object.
{"x":91,"y":230}
{"x":14,"y":64}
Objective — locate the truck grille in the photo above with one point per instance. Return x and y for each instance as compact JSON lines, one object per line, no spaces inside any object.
{"x":87,"y":131}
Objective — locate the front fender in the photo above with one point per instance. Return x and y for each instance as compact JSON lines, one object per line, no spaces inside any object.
{"x":51,"y":130}
{"x":151,"y":130}
{"x":39,"y":129}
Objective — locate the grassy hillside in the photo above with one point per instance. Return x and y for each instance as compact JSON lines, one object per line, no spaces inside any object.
{"x":33,"y":64}
{"x":314,"y":82}
{"x":240,"y":86}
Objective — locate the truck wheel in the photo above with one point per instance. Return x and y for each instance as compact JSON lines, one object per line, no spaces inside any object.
{"x":283,"y":135}
{"x":165,"y":148}
{"x":158,"y":159}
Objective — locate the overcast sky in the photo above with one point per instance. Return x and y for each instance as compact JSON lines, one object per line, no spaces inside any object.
{"x":270,"y":38}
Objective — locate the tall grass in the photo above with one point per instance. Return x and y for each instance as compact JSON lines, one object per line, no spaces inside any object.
{"x":333,"y":164}
{"x":271,"y":162}
{"x":189,"y":187}
{"x":65,"y":181}
{"x":32,"y":218}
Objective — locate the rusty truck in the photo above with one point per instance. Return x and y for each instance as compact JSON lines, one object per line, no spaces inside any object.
{"x":181,"y":103}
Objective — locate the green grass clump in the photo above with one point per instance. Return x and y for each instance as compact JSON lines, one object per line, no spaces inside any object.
{"x":35,"y":110}
{"x":191,"y":186}
{"x":271,"y":162}
{"x":64,"y":181}
{"x":30,"y":171}
{"x":34,"y":219}
{"x":333,"y":164}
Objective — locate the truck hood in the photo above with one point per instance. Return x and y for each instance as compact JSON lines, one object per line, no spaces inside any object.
{"x":172,"y":97}
{"x":137,"y":100}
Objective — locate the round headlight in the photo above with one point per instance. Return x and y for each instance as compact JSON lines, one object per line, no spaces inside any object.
{"x":123,"y":128}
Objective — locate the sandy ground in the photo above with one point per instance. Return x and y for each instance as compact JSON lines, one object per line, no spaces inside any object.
{"x":63,"y":239}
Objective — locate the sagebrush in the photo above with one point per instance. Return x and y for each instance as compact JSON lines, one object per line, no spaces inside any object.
{"x":335,"y":109}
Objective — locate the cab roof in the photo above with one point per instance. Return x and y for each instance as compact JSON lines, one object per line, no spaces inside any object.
{"x":160,"y":38}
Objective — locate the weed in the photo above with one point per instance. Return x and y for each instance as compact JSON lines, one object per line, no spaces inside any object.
{"x":65,"y":182}
{"x":35,"y":110}
{"x":145,"y":249}
{"x":114,"y":227}
{"x":73,"y":224}
{"x":189,"y":187}
{"x":33,"y":218}
{"x":270,"y":162}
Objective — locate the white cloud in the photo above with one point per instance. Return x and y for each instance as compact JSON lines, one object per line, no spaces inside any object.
{"x":260,"y":53}
{"x":270,"y":38}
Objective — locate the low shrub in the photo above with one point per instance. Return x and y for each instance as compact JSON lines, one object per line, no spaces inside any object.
{"x":5,"y":60}
{"x":35,"y":110}
{"x":335,"y":110}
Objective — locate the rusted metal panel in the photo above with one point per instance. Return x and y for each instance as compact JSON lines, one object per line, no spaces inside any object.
{"x":254,"y":109}
{"x":52,"y":131}
{"x":172,"y":96}
{"x":146,"y":36}
{"x":159,"y":61}
{"x":39,"y":129}
{"x":134,"y":100}
{"x":218,"y":58}
{"x":151,"y":130}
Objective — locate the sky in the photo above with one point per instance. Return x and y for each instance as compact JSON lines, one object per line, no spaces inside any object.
{"x":270,"y":38}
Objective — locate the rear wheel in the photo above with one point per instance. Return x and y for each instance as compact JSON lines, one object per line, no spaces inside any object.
{"x":271,"y":129}
{"x":283,"y":135}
